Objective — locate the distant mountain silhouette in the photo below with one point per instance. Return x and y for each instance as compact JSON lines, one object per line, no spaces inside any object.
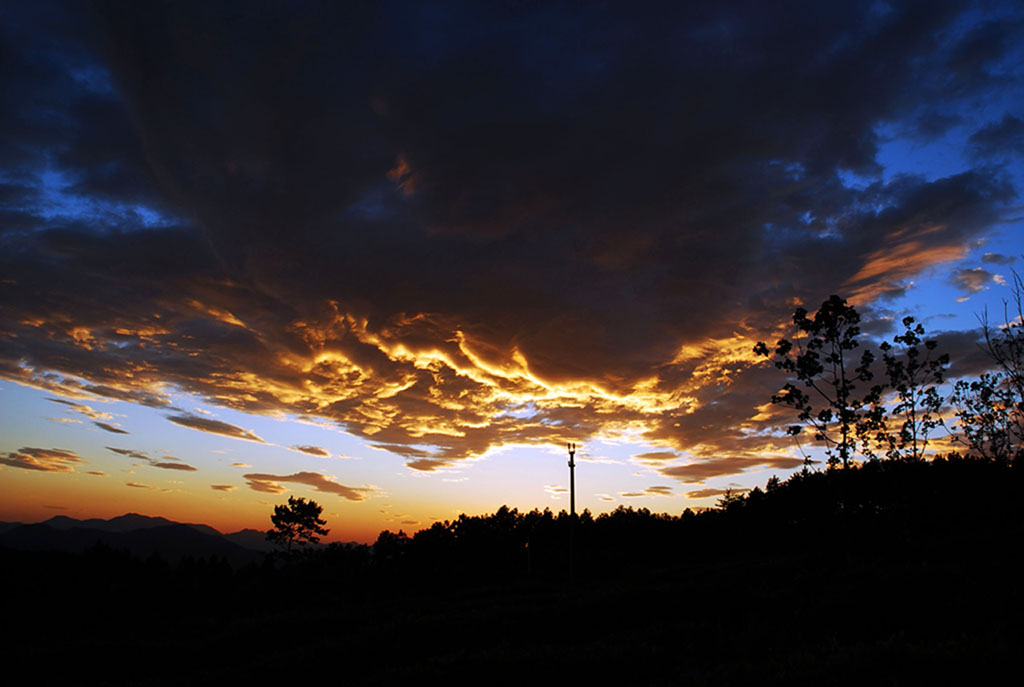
{"x":129,"y":522}
{"x":141,"y":535}
{"x":255,"y":540}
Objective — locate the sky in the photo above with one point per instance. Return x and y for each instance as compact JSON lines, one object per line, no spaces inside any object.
{"x":394,"y":256}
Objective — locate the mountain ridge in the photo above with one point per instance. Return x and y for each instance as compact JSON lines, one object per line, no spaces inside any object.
{"x":141,"y":535}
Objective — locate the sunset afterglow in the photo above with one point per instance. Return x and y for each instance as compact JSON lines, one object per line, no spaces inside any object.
{"x":394,"y":257}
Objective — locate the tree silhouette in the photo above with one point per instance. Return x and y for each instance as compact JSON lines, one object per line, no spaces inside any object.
{"x":991,"y":409}
{"x":914,"y":375}
{"x":296,"y":524}
{"x":821,"y":361}
{"x":989,"y":417}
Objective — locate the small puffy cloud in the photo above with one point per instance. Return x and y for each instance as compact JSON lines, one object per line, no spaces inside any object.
{"x":174,"y":466}
{"x":426,"y":464}
{"x":41,"y":459}
{"x":555,"y":490}
{"x":222,"y":487}
{"x":649,"y":491}
{"x":705,"y":493}
{"x":97,"y":473}
{"x":997,"y":259}
{"x":213,"y":427}
{"x":110,"y":428}
{"x":701,"y":470}
{"x":655,"y":456}
{"x":137,"y":485}
{"x":270,"y":484}
{"x":138,"y":455}
{"x":404,"y":450}
{"x":169,"y":462}
{"x":257,"y":483}
{"x":83,"y":409}
{"x":240,"y":465}
{"x":312,"y":450}
{"x":971,"y":280}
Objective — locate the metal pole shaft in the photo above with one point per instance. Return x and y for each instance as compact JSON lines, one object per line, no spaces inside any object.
{"x":572,"y":480}
{"x":572,"y":489}
{"x":572,"y":505}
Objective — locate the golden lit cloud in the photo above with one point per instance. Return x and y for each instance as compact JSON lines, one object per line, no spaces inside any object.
{"x":82,"y":408}
{"x":649,"y":491}
{"x":270,"y":484}
{"x":41,"y":459}
{"x":173,"y":466}
{"x":699,"y":471}
{"x":312,"y":450}
{"x":169,"y":462}
{"x":110,"y":428}
{"x":213,"y":427}
{"x":705,"y":493}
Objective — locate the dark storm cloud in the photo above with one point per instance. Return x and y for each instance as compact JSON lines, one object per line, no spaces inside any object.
{"x":414,"y":219}
{"x":999,"y":138}
{"x":63,"y":115}
{"x":204,"y":424}
{"x":932,"y":125}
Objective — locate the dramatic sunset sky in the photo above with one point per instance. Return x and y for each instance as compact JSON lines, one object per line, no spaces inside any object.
{"x":392,"y":256}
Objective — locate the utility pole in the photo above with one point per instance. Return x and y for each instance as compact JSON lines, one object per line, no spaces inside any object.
{"x":572,"y":481}
{"x":572,"y":512}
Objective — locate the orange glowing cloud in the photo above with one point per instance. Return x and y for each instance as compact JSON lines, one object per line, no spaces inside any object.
{"x":270,"y":484}
{"x":41,"y":459}
{"x":213,"y":427}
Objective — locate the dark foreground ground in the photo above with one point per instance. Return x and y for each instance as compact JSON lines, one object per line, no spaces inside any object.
{"x":906,"y":576}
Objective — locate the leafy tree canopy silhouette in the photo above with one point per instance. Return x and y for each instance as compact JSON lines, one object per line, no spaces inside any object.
{"x":821,"y":362}
{"x":297,"y":524}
